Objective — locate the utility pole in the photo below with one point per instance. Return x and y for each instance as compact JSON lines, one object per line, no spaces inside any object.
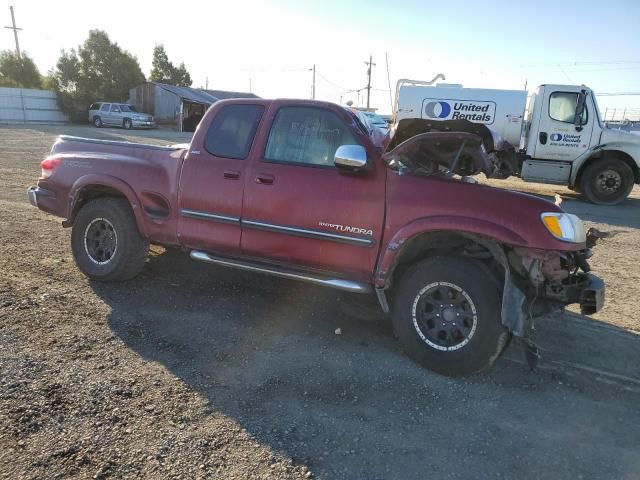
{"x":206,"y":82}
{"x":369,"y":65}
{"x":15,"y":31}
{"x":313,"y":85}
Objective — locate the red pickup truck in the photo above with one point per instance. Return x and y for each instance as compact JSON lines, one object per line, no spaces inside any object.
{"x":306,"y":190}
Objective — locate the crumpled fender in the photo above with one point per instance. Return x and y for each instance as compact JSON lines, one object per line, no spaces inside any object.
{"x":107,"y":181}
{"x":459,"y":224}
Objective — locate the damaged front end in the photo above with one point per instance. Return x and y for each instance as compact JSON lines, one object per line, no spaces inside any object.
{"x":551,"y":280}
{"x":447,"y":148}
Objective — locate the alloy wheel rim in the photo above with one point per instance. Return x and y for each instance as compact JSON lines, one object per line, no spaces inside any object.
{"x":100,"y":241}
{"x":444,"y":316}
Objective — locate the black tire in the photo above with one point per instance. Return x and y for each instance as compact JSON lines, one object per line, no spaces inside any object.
{"x":97,"y":122}
{"x":126,"y":124}
{"x":607,"y":182}
{"x":470,"y":345}
{"x":92,"y":241}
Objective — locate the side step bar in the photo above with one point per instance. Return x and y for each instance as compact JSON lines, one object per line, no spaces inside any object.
{"x":339,"y":283}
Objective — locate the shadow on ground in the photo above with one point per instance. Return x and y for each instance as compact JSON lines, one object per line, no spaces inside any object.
{"x":263,"y":351}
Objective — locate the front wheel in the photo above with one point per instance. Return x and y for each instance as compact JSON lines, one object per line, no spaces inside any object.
{"x":447,"y":315}
{"x":126,"y":123}
{"x":607,"y":182}
{"x":105,"y":240}
{"x":97,"y":122}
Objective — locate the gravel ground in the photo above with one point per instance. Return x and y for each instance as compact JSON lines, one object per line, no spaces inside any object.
{"x":192,"y":371}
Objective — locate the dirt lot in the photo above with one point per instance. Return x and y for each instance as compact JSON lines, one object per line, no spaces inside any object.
{"x":191,"y":371}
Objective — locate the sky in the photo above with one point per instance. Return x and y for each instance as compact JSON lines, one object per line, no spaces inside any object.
{"x":270,"y":47}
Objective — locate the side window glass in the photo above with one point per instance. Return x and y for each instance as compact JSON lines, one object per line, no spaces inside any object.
{"x":232,"y":131}
{"x":562,"y":107}
{"x":115,"y":108}
{"x":105,"y":107}
{"x":307,"y":136}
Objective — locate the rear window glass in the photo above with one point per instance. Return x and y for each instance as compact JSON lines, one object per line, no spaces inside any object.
{"x":232,"y":130}
{"x":94,"y":106}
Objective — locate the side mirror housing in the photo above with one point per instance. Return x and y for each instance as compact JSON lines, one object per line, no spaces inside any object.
{"x":577,"y":120}
{"x":351,"y":158}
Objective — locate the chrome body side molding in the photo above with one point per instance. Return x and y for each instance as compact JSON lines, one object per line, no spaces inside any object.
{"x":305,"y":232}
{"x":185,"y":212}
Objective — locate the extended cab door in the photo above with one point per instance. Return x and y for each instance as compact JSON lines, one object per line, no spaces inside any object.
{"x":301,"y":210}
{"x":557,"y":137}
{"x":213,"y":177}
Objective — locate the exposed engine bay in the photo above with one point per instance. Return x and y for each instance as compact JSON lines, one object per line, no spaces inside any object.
{"x":452,"y":147}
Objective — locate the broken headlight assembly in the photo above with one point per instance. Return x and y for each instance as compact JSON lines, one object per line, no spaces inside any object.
{"x":564,"y":226}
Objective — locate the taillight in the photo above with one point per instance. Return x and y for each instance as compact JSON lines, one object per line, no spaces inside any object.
{"x":48,"y":165}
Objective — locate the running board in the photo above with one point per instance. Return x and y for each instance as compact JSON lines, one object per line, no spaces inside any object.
{"x":339,"y":283}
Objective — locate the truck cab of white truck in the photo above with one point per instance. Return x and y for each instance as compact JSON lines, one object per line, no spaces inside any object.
{"x":560,"y":138}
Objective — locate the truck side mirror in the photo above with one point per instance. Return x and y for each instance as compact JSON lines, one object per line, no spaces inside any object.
{"x":577,"y":120}
{"x":351,"y":158}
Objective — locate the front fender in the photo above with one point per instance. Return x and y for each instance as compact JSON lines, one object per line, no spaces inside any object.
{"x":91,"y":180}
{"x":630,"y":149}
{"x":457,"y":224}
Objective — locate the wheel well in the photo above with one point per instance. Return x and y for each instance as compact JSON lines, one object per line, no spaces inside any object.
{"x":447,"y":243}
{"x":625,"y":157}
{"x":92,"y":192}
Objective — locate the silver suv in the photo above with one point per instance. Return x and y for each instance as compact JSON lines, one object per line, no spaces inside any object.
{"x":119,"y":115}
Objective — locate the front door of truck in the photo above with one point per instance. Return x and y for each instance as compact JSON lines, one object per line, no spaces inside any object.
{"x":299,"y":208}
{"x":213,"y":177}
{"x":558,"y":138}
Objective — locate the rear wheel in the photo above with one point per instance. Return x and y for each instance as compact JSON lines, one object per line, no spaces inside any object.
{"x":106,"y":242}
{"x":126,"y":123}
{"x":607,"y":182}
{"x":447,"y":315}
{"x":97,"y":122}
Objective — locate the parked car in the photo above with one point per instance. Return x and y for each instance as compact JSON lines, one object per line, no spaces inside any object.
{"x":373,"y":119}
{"x":119,"y":115}
{"x":301,"y":189}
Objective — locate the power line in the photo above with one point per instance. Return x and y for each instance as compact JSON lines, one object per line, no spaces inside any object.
{"x":330,"y":82}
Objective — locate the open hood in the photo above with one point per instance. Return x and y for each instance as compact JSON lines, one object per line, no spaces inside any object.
{"x":443,"y":147}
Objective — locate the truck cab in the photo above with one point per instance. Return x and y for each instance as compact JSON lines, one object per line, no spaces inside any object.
{"x":567,"y":143}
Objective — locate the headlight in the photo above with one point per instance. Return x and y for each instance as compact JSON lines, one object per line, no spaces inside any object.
{"x":564,"y":226}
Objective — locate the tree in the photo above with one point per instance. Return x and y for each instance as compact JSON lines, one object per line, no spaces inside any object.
{"x":98,"y":70}
{"x":163,"y":71}
{"x":18,"y":72}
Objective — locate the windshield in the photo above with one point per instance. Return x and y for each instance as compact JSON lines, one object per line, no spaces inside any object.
{"x":375,"y":119}
{"x":127,"y":108}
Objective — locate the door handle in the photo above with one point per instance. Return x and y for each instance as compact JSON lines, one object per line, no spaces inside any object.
{"x":264,"y":179}
{"x":543,"y":138}
{"x":232,"y":174}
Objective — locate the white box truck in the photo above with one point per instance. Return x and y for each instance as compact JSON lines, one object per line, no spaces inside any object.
{"x":559,"y":139}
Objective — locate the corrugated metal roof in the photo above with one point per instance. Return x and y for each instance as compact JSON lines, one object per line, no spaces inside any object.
{"x":222,"y":94}
{"x":200,"y":95}
{"x":187,"y":93}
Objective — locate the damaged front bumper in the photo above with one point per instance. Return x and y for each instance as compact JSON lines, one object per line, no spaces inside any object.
{"x":585,"y":289}
{"x":550,"y":280}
